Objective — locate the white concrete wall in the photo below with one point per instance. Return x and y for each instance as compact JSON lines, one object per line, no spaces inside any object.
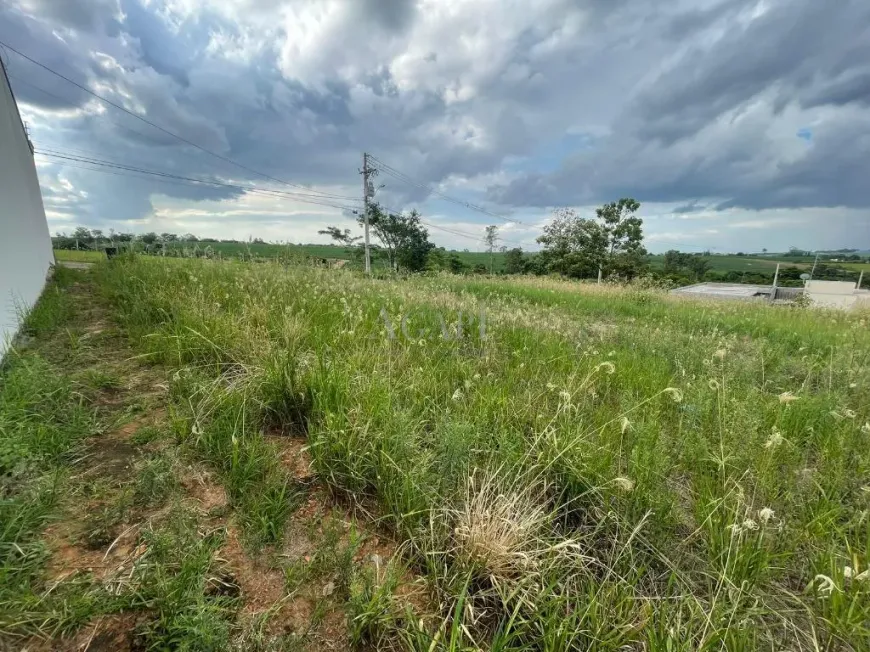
{"x":25,"y":243}
{"x":832,"y":294}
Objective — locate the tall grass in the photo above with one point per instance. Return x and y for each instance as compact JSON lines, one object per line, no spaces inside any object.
{"x":605,"y":468}
{"x":75,"y":256}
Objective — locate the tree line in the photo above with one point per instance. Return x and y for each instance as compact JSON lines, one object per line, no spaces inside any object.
{"x":608,"y":245}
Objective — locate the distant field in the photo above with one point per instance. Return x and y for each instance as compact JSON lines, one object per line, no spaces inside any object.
{"x":261,"y":250}
{"x":79,"y":256}
{"x":737,"y":263}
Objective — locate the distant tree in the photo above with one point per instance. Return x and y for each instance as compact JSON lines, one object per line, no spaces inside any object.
{"x":513,"y":261}
{"x":436,"y":259}
{"x":573,"y":246}
{"x":677,"y":262}
{"x":613,"y":242}
{"x":341,"y":237}
{"x":623,"y":230}
{"x":455,"y":264}
{"x":189,"y":237}
{"x":149,"y":238}
{"x":699,"y":266}
{"x":490,"y":238}
{"x":764,"y":250}
{"x":674,"y":261}
{"x":168,"y":237}
{"x":403,"y":237}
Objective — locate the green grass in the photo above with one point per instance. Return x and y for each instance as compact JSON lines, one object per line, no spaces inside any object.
{"x":71,"y":255}
{"x":607,"y":469}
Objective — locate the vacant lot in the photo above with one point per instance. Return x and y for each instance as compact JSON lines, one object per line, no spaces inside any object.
{"x":573,"y":468}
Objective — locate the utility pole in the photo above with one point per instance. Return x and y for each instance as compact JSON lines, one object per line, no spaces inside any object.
{"x":366,"y":190}
{"x":775,"y":279}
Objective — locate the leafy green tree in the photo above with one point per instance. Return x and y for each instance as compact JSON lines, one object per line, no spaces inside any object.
{"x":149,"y":238}
{"x":573,"y":246}
{"x":677,"y":262}
{"x":625,"y":254}
{"x":405,"y":240}
{"x":613,"y":242}
{"x":699,"y":266}
{"x":514,"y":262}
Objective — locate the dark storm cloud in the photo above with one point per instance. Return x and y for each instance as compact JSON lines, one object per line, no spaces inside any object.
{"x":394,"y":15}
{"x":795,"y":46}
{"x":26,"y":33}
{"x":693,"y":102}
{"x":704,"y":126}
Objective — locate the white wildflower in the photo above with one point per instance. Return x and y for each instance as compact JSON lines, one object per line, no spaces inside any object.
{"x":551,"y":386}
{"x":765,"y":514}
{"x":720,"y":354}
{"x":863,"y":576}
{"x":866,"y":428}
{"x":850,"y":414}
{"x":624,"y":484}
{"x":467,"y":384}
{"x":824,"y":584}
{"x":674,"y":393}
{"x":847,"y":572}
{"x":625,"y":424}
{"x":713,"y":384}
{"x":775,"y":438}
{"x":749,"y":524}
{"x":476,"y":377}
{"x":853,"y":385}
{"x":457,"y":395}
{"x":788,"y":397}
{"x":565,"y":395}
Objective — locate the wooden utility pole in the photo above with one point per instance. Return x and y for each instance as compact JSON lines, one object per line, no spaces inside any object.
{"x":366,"y":190}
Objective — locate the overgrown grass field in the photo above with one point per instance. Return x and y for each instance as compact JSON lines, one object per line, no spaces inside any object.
{"x":74,"y":256}
{"x":576,"y":467}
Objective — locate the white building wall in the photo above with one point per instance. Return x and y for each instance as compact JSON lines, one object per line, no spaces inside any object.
{"x":25,"y":243}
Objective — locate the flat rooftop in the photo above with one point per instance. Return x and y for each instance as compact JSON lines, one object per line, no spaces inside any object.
{"x":723,"y":290}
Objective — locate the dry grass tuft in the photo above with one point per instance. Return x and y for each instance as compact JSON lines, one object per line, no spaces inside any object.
{"x":499,"y":528}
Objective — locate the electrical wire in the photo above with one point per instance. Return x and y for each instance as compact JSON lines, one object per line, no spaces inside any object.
{"x":98,"y":161}
{"x":192,"y":180}
{"x":401,"y":176}
{"x":158,"y":127}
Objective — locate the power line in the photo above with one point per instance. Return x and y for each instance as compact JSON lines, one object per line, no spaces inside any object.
{"x":401,"y":176}
{"x":192,"y":180}
{"x":99,"y":161}
{"x":154,"y":125}
{"x":463,"y":234}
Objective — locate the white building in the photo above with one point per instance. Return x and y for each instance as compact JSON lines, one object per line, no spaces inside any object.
{"x":837,"y":294}
{"x":25,"y":243}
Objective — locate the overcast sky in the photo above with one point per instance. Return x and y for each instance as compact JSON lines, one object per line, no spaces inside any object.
{"x":739,"y":125}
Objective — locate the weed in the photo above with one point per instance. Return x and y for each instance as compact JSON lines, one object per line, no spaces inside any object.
{"x":607,"y":469}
